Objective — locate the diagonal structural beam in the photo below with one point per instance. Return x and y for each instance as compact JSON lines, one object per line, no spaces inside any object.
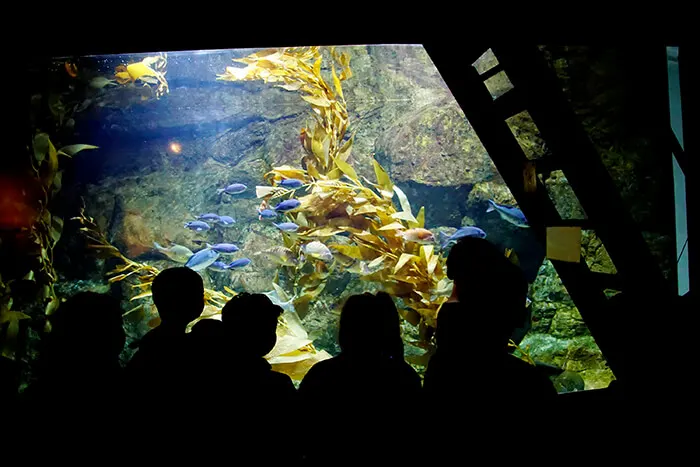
{"x":582,"y":166}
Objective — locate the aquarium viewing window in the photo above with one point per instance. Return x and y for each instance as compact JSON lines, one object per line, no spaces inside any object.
{"x":674,"y":97}
{"x":308,"y":174}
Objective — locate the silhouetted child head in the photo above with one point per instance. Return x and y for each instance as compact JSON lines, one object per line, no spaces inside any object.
{"x":488,"y":286}
{"x":369,"y":324}
{"x":250,"y":322}
{"x":178,"y":293}
{"x":88,"y":326}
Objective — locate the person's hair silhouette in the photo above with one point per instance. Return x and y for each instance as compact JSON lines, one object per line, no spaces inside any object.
{"x":484,"y":279}
{"x":178,"y":294}
{"x":382,"y":338}
{"x":252,"y":319}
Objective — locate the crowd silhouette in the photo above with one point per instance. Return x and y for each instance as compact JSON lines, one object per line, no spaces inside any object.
{"x":214,"y":384}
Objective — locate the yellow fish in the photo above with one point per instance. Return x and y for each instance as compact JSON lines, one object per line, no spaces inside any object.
{"x":279,"y":255}
{"x":177,"y":253}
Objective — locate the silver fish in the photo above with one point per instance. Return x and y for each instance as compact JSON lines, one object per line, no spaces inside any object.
{"x":317,"y":250}
{"x":202,"y":259}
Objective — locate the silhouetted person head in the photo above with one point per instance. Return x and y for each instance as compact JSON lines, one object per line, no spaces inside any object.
{"x":489,"y":287}
{"x":178,"y":293}
{"x":369,"y":324}
{"x":87,"y":327}
{"x":250,"y":321}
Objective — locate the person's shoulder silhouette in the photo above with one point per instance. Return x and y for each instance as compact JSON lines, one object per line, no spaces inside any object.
{"x":370,"y":364}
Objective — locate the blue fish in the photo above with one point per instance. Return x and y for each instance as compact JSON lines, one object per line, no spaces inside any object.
{"x":198,"y":226}
{"x":288,"y":205}
{"x":266,"y":214}
{"x":223,"y":247}
{"x":287,"y":226}
{"x":232,"y":189}
{"x":202,"y":259}
{"x":218,"y":266}
{"x":291,"y":183}
{"x":209,"y":217}
{"x":468,"y":231}
{"x":226,"y":221}
{"x":509,"y":213}
{"x":239,"y":263}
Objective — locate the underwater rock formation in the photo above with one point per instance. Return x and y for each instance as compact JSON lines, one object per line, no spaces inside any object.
{"x":595,"y":254}
{"x":435,"y":146}
{"x":559,"y":336}
{"x":563,"y":196}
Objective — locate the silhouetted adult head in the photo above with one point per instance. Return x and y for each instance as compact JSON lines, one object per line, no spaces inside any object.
{"x":369,"y":324}
{"x":178,"y":293}
{"x":87,"y":327}
{"x":489,"y":287}
{"x":250,"y":322}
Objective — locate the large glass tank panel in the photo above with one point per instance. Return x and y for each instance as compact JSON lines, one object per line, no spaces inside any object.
{"x":334,"y":171}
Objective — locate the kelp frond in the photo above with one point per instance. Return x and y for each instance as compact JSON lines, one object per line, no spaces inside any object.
{"x":149,"y":71}
{"x":98,"y":241}
{"x":522,"y":354}
{"x":299,"y":69}
{"x":353,"y":217}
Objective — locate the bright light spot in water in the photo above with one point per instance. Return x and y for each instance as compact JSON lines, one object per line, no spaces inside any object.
{"x":176,"y":148}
